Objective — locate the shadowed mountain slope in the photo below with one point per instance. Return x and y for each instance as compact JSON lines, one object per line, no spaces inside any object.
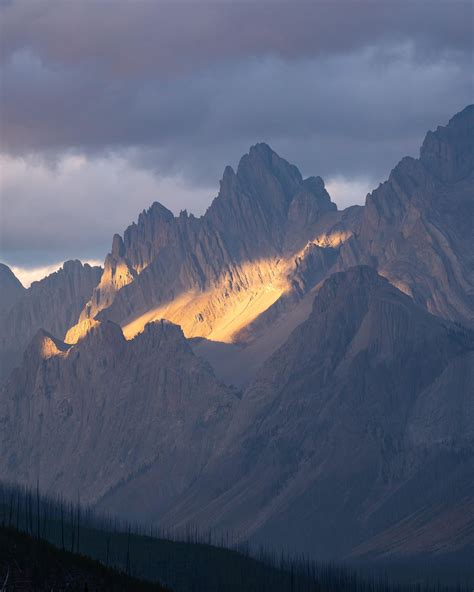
{"x":246,"y":271}
{"x":338,"y":446}
{"x":52,"y":304}
{"x":82,"y":419}
{"x":11,"y":288}
{"x":354,"y":438}
{"x":417,"y":227}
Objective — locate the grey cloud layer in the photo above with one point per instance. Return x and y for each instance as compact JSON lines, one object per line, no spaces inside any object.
{"x":341,"y":114}
{"x":134,"y":38}
{"x":343,"y":89}
{"x":186,"y":80}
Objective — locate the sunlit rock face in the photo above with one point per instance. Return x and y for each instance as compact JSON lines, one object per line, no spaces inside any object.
{"x":245,"y":272}
{"x":52,"y":304}
{"x":417,"y":227}
{"x":84,"y":418}
{"x":216,"y":274}
{"x":338,"y":441}
{"x":353,"y":400}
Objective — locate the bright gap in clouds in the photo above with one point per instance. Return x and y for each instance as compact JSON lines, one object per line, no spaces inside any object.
{"x":72,"y":210}
{"x":347,"y":192}
{"x":28,"y":275}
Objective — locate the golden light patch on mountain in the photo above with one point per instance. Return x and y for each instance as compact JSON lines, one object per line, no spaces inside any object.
{"x":49,"y":349}
{"x":80,"y":330}
{"x":220,"y":312}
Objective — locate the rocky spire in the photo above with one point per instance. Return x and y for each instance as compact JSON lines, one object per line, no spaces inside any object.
{"x":11,"y":288}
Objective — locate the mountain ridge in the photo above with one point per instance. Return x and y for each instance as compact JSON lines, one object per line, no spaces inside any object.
{"x":199,"y":262}
{"x":348,"y":332}
{"x":359,"y":396}
{"x":139,"y":404}
{"x":53,"y":304}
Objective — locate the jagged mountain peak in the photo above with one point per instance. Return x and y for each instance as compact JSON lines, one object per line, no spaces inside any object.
{"x":6,"y":274}
{"x":261,"y":162}
{"x":417,"y":226}
{"x":263,"y":153}
{"x":101,"y":333}
{"x":44,"y":346}
{"x":71,"y":267}
{"x":11,"y":289}
{"x":262,"y":149}
{"x":315,"y":184}
{"x":158,"y":210}
{"x":160,"y":328}
{"x":343,"y":285}
{"x":53,"y":303}
{"x":118,"y":247}
{"x":448,"y":152}
{"x":121,"y":408}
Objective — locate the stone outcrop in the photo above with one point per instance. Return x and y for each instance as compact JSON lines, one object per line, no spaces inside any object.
{"x":84,"y":419}
{"x":203,"y":272}
{"x":52,"y":304}
{"x":417,"y":227}
{"x":270,"y":237}
{"x":11,"y":288}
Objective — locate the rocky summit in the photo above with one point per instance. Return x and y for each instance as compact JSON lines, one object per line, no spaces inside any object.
{"x":52,"y":304}
{"x":294,"y":373}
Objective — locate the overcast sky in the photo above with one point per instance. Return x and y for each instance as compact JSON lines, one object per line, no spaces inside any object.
{"x":107,"y":106}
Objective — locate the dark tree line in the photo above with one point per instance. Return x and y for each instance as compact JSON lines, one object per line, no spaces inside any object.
{"x":188,"y":561}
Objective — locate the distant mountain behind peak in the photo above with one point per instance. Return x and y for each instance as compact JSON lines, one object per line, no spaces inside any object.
{"x":52,"y":304}
{"x":11,"y":288}
{"x":270,"y":236}
{"x":448,"y":153}
{"x":245,"y":270}
{"x":349,"y":335}
{"x":416,"y":227}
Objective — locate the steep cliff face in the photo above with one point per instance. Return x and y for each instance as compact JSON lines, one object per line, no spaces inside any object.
{"x":11,"y":288}
{"x":417,"y":226}
{"x":267,"y":208}
{"x":53,"y":304}
{"x":216,"y":274}
{"x":342,"y":435}
{"x":337,"y":447}
{"x":83,"y":419}
{"x":270,"y":237}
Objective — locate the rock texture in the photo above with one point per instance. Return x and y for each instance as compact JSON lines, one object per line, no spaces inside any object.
{"x":53,"y":304}
{"x":270,"y":237}
{"x":11,"y":288}
{"x":356,"y":436}
{"x":204,"y":273}
{"x":83,"y":419}
{"x":417,"y":228}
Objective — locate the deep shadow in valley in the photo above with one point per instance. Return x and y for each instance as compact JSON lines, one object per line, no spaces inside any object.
{"x":48,"y":542}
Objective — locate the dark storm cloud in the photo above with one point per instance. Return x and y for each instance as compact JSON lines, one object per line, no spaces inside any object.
{"x":343,"y":89}
{"x":125,"y":37}
{"x":173,"y":76}
{"x":346,"y":114}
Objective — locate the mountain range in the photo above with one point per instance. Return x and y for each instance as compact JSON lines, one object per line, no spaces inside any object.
{"x":294,"y":373}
